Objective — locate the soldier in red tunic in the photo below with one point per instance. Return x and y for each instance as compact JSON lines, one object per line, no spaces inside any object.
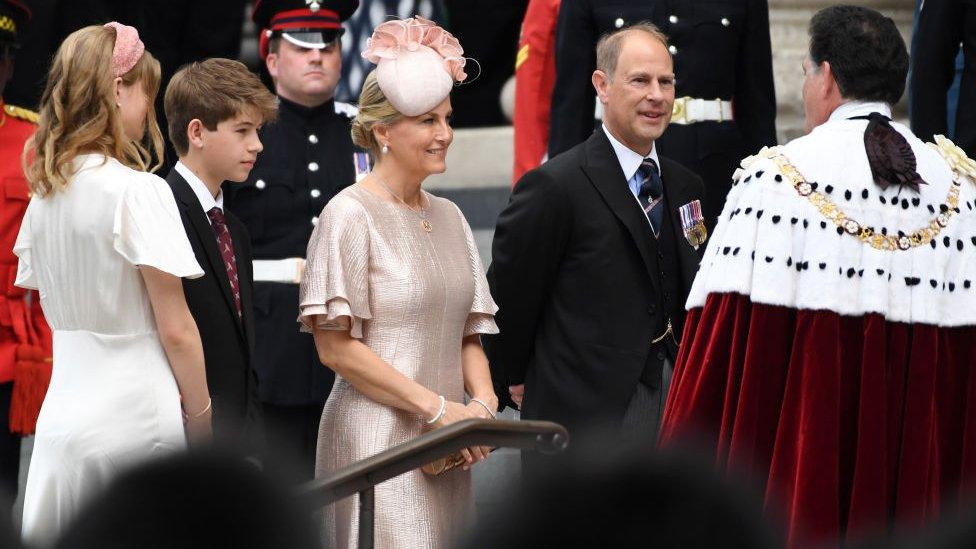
{"x":25,"y":340}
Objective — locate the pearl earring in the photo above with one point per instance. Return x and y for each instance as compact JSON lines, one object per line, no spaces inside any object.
{"x":385,"y":149}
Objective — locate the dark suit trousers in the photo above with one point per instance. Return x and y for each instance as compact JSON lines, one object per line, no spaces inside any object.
{"x":643,"y":417}
{"x":639,"y":427}
{"x":291,"y":434}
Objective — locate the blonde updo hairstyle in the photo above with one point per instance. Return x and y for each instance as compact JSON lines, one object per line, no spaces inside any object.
{"x":374,"y":110}
{"x":78,"y":114}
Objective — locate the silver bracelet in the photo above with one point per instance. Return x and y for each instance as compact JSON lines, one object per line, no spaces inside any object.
{"x":440,"y":413}
{"x":485,"y":406}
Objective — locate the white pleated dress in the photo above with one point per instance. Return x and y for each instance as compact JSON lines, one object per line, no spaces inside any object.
{"x":113,"y":401}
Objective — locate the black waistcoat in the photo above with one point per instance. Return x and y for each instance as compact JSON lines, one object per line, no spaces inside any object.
{"x":668,"y":300}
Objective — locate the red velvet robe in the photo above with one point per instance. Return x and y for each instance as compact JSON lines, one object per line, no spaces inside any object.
{"x":831,"y":366}
{"x":849,"y":424}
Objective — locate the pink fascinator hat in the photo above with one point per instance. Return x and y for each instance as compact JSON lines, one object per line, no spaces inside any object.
{"x":417,"y":63}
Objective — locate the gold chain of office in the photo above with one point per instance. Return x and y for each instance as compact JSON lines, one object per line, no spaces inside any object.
{"x":868,"y":235}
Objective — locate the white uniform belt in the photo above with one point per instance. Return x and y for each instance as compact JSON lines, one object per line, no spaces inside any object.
{"x":287,"y":270}
{"x":688,"y":110}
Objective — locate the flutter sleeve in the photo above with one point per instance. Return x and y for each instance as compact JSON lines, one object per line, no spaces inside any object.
{"x":22,"y":249}
{"x":148,"y":230}
{"x":481,"y":318}
{"x":334,"y":292}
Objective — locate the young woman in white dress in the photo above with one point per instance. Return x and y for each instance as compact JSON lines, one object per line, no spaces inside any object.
{"x":103,"y":243}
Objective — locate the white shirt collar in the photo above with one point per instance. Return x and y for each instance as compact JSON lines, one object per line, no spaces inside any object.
{"x":207,"y":200}
{"x":629,"y":160}
{"x":859,"y":108}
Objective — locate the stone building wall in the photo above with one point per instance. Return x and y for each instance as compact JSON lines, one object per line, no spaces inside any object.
{"x":788,"y":21}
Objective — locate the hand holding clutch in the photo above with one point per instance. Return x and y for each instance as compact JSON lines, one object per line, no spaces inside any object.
{"x":476,"y":408}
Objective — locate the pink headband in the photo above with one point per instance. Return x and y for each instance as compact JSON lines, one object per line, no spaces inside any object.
{"x":128,"y":48}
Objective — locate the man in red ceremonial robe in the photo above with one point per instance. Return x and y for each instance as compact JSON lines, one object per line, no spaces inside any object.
{"x":25,"y":339}
{"x":829,"y":347}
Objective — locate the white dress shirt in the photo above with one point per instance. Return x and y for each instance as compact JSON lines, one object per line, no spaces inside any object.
{"x":207,"y":200}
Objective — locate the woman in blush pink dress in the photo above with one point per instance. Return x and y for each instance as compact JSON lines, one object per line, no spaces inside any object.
{"x":396,"y":296}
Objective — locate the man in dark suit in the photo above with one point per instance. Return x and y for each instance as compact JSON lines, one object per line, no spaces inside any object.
{"x":725,"y":107}
{"x":944,"y":25}
{"x":590,"y":266}
{"x":215,"y":108}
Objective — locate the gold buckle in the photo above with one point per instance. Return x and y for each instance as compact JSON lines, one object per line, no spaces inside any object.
{"x":679,"y":111}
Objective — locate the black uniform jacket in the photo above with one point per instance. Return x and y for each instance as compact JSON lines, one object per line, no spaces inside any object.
{"x":308,"y":157}
{"x":577,"y":276}
{"x":228,"y":340}
{"x":942,"y":26}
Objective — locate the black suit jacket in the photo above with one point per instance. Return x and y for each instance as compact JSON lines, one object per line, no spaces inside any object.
{"x":575,"y":276}
{"x":227,"y":343}
{"x":942,"y":26}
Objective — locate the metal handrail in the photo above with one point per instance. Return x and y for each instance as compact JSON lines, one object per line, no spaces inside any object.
{"x":362,"y":476}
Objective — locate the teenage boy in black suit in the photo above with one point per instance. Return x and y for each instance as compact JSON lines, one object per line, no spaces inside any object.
{"x":214,"y":109}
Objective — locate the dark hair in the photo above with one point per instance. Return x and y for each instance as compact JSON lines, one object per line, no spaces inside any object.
{"x":631,"y":494}
{"x":865,"y":50}
{"x":193,"y":500}
{"x":213,"y":90}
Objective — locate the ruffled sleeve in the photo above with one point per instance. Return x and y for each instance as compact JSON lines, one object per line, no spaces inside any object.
{"x":334,"y":292}
{"x":22,"y":249}
{"x":481,"y":318}
{"x":148,"y":230}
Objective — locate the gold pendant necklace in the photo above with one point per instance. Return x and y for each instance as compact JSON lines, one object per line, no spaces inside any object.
{"x":422,"y":213}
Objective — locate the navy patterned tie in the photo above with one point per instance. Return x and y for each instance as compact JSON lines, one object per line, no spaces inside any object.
{"x":651,"y":193}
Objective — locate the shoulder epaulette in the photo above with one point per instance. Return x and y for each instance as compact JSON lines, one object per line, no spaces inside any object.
{"x":21,"y":113}
{"x":345,"y":108}
{"x":954,"y":156}
{"x":765,"y":152}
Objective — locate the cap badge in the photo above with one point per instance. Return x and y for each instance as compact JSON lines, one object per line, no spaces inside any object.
{"x":313,"y":5}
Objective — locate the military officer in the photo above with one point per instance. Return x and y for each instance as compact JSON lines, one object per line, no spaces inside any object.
{"x":724,"y":107}
{"x":308,"y":157}
{"x":25,"y":340}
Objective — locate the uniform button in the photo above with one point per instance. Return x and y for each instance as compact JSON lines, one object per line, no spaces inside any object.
{"x":312,"y":138}
{"x":619,"y":22}
{"x":673,"y":19}
{"x":315,"y":193}
{"x":315,"y":221}
{"x":260,"y":184}
{"x":313,"y":166}
{"x":660,"y":355}
{"x":673,"y":49}
{"x":651,"y":309}
{"x":726,"y":22}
